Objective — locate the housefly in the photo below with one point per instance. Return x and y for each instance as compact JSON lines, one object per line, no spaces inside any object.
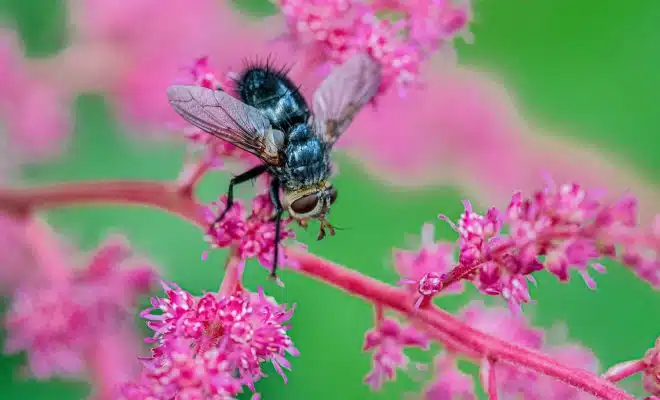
{"x":271,"y":119}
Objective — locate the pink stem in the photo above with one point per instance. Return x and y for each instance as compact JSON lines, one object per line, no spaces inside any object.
{"x":623,"y":370}
{"x":166,"y":197}
{"x":145,"y":193}
{"x":491,"y":381}
{"x":231,"y":281}
{"x":191,"y":175}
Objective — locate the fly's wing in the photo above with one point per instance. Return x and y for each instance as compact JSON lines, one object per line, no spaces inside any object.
{"x":229,"y":119}
{"x":342,"y":94}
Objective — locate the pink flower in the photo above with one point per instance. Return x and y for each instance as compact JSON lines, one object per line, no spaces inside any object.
{"x":59,"y":322}
{"x":388,"y":341}
{"x":34,"y":113}
{"x":220,"y":341}
{"x":330,"y":31}
{"x":252,"y":234}
{"x":449,"y":383}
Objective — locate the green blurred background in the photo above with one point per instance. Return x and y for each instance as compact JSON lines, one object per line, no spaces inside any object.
{"x":592,"y":65}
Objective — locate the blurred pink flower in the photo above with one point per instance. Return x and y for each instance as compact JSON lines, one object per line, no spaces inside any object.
{"x":156,"y":40}
{"x":212,"y":345}
{"x":252,"y":234}
{"x":34,"y":114}
{"x":464,"y":128}
{"x":449,"y":382}
{"x":572,"y":355}
{"x":59,"y":319}
{"x":388,"y":341}
{"x":523,"y":384}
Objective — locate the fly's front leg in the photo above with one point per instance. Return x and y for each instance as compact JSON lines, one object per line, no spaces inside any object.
{"x":237,"y":180}
{"x":275,"y":198}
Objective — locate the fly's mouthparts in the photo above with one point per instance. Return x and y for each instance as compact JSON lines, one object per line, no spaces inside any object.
{"x":325,"y":224}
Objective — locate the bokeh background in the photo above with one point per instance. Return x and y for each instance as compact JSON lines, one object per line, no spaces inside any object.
{"x":584,"y":73}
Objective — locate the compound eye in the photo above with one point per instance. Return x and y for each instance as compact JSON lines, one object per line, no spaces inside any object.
{"x":333,"y":195}
{"x":305,"y":204}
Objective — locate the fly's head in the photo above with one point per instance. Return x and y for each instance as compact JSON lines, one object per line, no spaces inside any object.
{"x":312,"y":202}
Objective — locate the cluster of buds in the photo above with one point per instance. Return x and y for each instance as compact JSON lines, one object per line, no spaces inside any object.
{"x":555,"y":229}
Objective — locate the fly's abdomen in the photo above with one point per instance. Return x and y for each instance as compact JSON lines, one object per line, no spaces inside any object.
{"x":272,"y":92}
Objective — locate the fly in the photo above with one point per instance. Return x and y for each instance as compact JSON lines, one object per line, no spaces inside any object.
{"x":271,"y":119}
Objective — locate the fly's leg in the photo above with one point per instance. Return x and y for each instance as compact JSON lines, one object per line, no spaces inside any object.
{"x":237,"y":180}
{"x":275,"y":198}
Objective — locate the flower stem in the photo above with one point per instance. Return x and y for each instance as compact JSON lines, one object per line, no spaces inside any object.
{"x":231,"y":282}
{"x":489,"y":380}
{"x":624,"y":370}
{"x":167,"y":197}
{"x":190,"y":176}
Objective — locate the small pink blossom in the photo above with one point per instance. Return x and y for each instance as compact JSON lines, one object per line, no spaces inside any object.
{"x":219,"y":340}
{"x":59,"y":322}
{"x":388,"y":341}
{"x":422,"y":270}
{"x":253,"y":234}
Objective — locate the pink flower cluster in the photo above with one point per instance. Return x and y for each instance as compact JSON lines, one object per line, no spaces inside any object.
{"x":211,"y":346}
{"x":330,"y":31}
{"x":252,"y":234}
{"x":388,"y":341}
{"x":557,"y":229}
{"x":60,"y":319}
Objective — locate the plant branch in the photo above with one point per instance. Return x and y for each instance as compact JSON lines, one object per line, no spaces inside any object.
{"x":169,"y":198}
{"x":624,"y":370}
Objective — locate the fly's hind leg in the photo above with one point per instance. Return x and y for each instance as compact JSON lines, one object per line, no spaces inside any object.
{"x":237,"y":180}
{"x":275,"y":198}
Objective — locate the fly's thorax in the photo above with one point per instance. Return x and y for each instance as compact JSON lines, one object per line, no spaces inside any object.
{"x":310,"y":201}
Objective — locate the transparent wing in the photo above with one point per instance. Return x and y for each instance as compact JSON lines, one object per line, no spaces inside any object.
{"x":229,"y":119}
{"x":342,"y":94}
